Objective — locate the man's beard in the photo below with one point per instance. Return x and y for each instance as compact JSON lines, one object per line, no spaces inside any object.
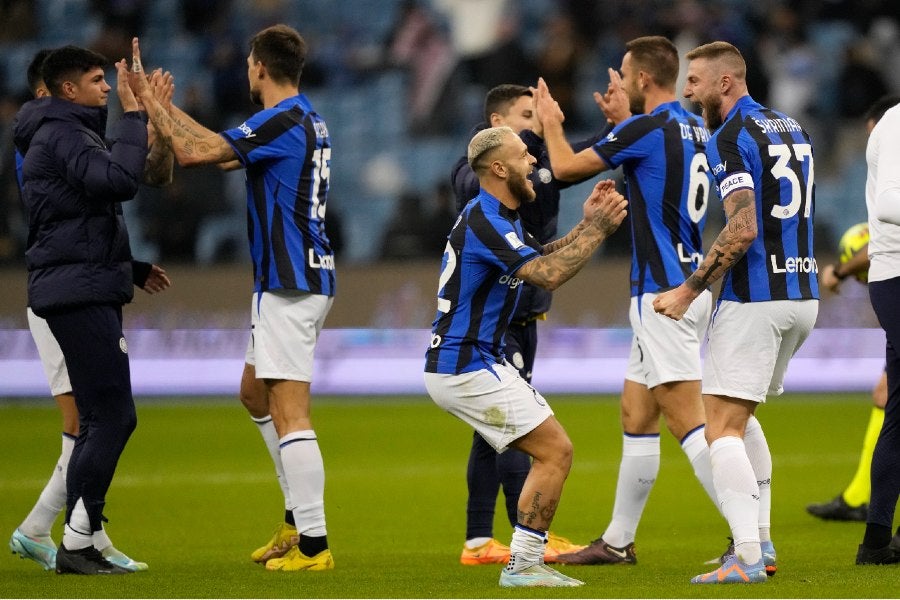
{"x":518,"y":186}
{"x":635,"y":103}
{"x":256,"y":97}
{"x":712,"y":113}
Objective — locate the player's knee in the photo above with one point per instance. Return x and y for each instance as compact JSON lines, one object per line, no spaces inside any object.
{"x":564,"y":453}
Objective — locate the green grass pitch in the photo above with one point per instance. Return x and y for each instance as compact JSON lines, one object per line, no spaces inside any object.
{"x":195,"y":492}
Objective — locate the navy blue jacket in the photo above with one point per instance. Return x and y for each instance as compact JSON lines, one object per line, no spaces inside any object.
{"x":77,"y":252}
{"x":540,"y":218}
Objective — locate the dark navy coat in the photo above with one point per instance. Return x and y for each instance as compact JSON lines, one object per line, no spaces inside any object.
{"x":77,"y":252}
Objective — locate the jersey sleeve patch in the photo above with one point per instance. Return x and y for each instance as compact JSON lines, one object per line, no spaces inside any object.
{"x":513,"y":240}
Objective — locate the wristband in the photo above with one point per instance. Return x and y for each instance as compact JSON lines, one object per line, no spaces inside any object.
{"x":835,"y":269}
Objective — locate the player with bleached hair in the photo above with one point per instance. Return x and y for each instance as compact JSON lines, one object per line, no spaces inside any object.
{"x":487,"y":258}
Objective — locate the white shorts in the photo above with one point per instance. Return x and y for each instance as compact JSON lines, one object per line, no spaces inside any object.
{"x":284,"y":328}
{"x":665,"y":350}
{"x":750,"y":345}
{"x":497,"y":402}
{"x":51,"y":355}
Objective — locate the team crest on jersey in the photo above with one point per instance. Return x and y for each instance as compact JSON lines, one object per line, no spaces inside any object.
{"x":513,"y":240}
{"x":545,"y":175}
{"x":123,"y":345}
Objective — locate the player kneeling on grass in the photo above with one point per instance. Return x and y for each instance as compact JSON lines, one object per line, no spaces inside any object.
{"x":487,"y":257}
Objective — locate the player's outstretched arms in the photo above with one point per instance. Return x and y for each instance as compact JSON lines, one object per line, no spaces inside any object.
{"x":192,"y":144}
{"x":604,"y":211}
{"x":160,"y":160}
{"x":567,"y":165}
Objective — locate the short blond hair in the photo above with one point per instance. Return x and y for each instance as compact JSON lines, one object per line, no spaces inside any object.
{"x":484,"y":143}
{"x":730,"y":57}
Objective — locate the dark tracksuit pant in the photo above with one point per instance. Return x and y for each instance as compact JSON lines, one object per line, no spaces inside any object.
{"x":885,"y":297}
{"x":96,"y":356}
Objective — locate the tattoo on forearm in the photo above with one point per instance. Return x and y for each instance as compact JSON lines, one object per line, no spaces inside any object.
{"x":564,"y":241}
{"x":181,"y":132}
{"x":158,"y":168}
{"x":552,"y":270}
{"x":731,"y":243}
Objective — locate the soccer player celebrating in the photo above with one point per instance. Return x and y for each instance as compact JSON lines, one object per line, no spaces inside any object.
{"x":286,"y":151}
{"x":511,"y":105}
{"x":763,"y":164}
{"x":487,"y":257}
{"x":660,"y":147}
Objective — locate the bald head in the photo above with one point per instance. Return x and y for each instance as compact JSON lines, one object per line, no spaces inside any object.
{"x":484,"y":146}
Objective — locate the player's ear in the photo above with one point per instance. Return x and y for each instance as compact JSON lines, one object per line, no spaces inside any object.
{"x":725,"y":83}
{"x":498,"y":168}
{"x":68,"y":90}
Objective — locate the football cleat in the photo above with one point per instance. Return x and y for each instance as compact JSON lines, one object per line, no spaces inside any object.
{"x":877,"y":556}
{"x":556,"y":545}
{"x":41,"y":550}
{"x":120,"y":559}
{"x":490,"y":552}
{"x":734,"y":571}
{"x":600,"y":553}
{"x":535,"y":575}
{"x":768,"y":555}
{"x":86,"y":561}
{"x":838,"y":510}
{"x":768,"y":552}
{"x":294,"y":560}
{"x":283,"y":539}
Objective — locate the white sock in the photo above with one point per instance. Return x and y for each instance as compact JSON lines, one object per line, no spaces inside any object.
{"x":475,"y":542}
{"x":270,"y":437}
{"x":697,"y":451}
{"x":526,"y":547}
{"x":637,"y":474}
{"x":101,"y":540}
{"x":761,"y":461}
{"x":77,"y":533}
{"x":52,"y":500}
{"x":305,"y":475}
{"x":738,"y":495}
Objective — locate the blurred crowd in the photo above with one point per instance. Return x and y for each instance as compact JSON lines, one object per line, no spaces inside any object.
{"x":400,"y":83}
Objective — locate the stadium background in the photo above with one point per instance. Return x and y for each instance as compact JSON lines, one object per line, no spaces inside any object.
{"x":400,"y":85}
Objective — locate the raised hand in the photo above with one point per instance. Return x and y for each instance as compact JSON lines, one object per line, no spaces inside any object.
{"x":605,"y":208}
{"x":163,"y":85}
{"x":123,"y":88}
{"x":614,"y":103}
{"x":137,"y":78}
{"x":546,"y":108}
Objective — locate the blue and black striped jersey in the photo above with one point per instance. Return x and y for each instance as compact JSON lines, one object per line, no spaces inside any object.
{"x":540,"y":218}
{"x":478,"y":289}
{"x":765,"y":151}
{"x":286,"y":151}
{"x":668,"y":186}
